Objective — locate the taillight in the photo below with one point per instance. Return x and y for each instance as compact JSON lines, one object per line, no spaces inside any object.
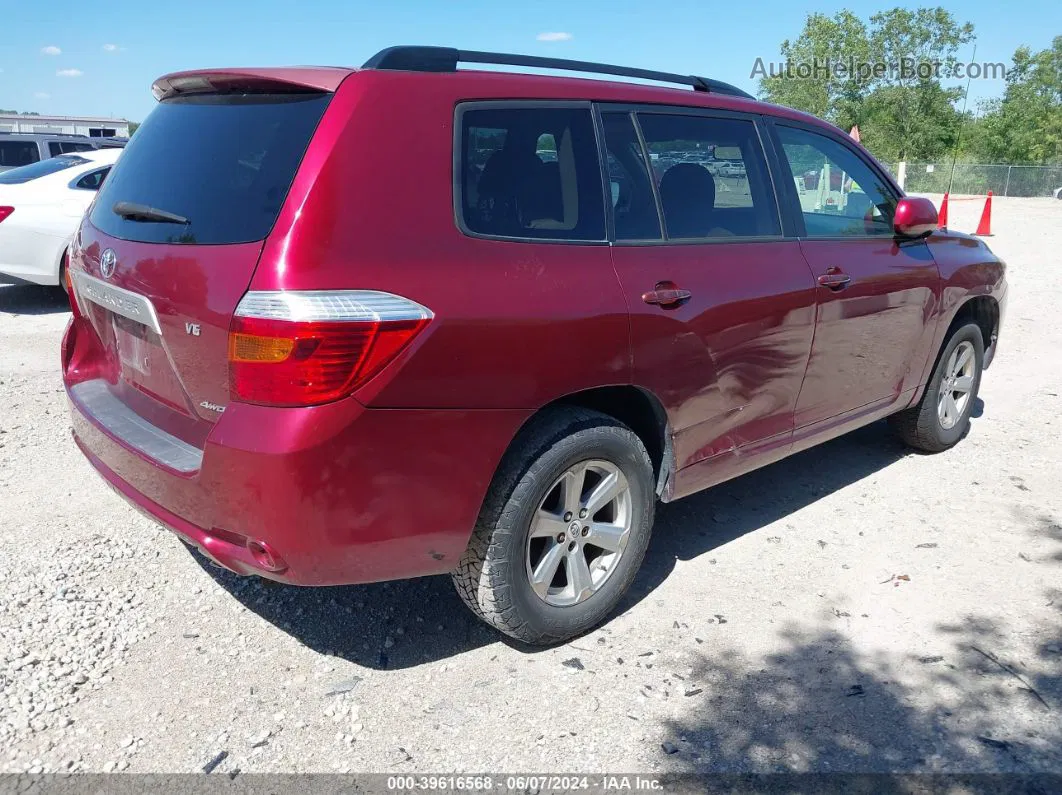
{"x":5,"y":212}
{"x":301,"y":348}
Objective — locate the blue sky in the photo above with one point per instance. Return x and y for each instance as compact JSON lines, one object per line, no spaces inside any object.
{"x":66,"y":57}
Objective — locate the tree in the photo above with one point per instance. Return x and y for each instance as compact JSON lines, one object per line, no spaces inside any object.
{"x":909,"y":108}
{"x":826,"y":92}
{"x":889,"y":82}
{"x":132,"y":127}
{"x":1025,"y":126}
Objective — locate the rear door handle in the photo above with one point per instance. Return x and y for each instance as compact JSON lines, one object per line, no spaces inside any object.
{"x":835,"y":279}
{"x":666,"y":295}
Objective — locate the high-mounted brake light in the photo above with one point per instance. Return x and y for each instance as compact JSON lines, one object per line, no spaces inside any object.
{"x":5,"y":212}
{"x":302,"y":348}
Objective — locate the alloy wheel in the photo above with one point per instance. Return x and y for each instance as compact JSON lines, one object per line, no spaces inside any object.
{"x":956,"y":386}
{"x":579,"y":533}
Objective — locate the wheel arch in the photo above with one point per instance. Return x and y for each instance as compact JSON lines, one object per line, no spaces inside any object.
{"x":637,"y":408}
{"x":982,"y":310}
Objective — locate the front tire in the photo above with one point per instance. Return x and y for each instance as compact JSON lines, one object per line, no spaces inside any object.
{"x":942,"y":417}
{"x":563,"y":529}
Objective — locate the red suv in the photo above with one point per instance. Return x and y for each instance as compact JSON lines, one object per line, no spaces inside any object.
{"x":346,"y":325}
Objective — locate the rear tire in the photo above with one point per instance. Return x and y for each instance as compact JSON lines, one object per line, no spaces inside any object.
{"x":64,"y":273}
{"x":942,"y":417}
{"x":558,"y":462}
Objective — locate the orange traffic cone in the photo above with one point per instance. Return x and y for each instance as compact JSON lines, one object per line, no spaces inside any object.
{"x":942,"y":216}
{"x":984,"y":228}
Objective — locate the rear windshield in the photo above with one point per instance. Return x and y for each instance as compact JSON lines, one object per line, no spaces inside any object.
{"x":43,"y":168}
{"x":18,"y":153}
{"x":222,"y":162}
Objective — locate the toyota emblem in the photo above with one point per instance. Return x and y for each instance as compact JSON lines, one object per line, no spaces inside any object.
{"x":107,"y":263}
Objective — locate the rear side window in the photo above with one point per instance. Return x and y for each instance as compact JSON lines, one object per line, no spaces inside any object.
{"x":65,"y":147}
{"x":42,"y":168}
{"x":633,"y":205}
{"x":529,"y":172}
{"x":93,"y":180}
{"x":222,"y":162}
{"x":18,"y":153}
{"x":711,"y":176}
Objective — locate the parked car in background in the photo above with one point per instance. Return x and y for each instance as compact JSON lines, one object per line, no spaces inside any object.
{"x":360,"y":330}
{"x":731,"y":168}
{"x":23,"y":149}
{"x":40,"y":207}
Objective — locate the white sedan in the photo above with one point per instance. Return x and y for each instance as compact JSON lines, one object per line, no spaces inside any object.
{"x":40,"y":208}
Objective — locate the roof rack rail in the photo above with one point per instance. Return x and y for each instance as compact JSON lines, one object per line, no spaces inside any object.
{"x":56,"y":134}
{"x":445,"y":59}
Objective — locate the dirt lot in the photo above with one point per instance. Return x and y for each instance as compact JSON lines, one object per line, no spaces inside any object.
{"x":855,"y":607}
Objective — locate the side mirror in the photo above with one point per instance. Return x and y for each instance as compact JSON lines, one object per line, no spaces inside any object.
{"x":914,"y":217}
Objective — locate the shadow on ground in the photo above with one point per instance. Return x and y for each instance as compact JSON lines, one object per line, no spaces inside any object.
{"x":32,"y":299}
{"x":972,"y":705}
{"x":817,"y":706}
{"x":356,"y":622}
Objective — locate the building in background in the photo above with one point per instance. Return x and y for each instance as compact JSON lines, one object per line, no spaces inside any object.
{"x":65,"y":125}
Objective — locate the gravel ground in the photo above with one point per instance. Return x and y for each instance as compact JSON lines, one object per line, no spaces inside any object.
{"x":855,"y":607}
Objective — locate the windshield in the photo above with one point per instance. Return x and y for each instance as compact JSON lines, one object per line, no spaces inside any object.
{"x":222,"y":163}
{"x":43,"y":168}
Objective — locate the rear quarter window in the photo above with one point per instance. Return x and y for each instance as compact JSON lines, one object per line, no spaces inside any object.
{"x":223,"y":162}
{"x":18,"y":153}
{"x":529,"y":172}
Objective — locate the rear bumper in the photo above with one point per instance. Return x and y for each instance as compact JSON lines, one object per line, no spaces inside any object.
{"x":338,"y":494}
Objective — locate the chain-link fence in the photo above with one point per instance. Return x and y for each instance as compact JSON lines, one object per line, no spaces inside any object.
{"x":979,"y":178}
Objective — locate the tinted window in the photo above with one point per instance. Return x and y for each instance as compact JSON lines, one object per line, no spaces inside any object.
{"x":42,"y":168}
{"x":711,"y":176}
{"x":55,"y":148}
{"x":18,"y":153}
{"x":531,"y":173}
{"x":633,"y":205}
{"x":840,"y":194}
{"x":94,"y":180}
{"x":224,"y":162}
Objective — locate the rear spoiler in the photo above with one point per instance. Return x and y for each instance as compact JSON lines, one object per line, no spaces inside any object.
{"x":294,"y":80}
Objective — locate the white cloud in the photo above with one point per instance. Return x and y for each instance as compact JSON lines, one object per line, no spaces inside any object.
{"x":42,"y":95}
{"x":69,"y":73}
{"x":556,"y":36}
{"x":110,"y":48}
{"x":51,"y":49}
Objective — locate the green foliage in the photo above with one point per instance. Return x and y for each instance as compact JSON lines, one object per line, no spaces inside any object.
{"x":1025,"y":126}
{"x":903,"y":114}
{"x":829,"y":95}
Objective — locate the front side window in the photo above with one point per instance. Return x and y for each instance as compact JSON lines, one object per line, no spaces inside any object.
{"x":711,"y":176}
{"x":530,"y":172}
{"x":18,"y":153}
{"x":840,"y":194}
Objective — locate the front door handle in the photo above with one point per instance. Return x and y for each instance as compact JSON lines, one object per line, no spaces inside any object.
{"x":666,"y":295}
{"x":835,"y":279}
